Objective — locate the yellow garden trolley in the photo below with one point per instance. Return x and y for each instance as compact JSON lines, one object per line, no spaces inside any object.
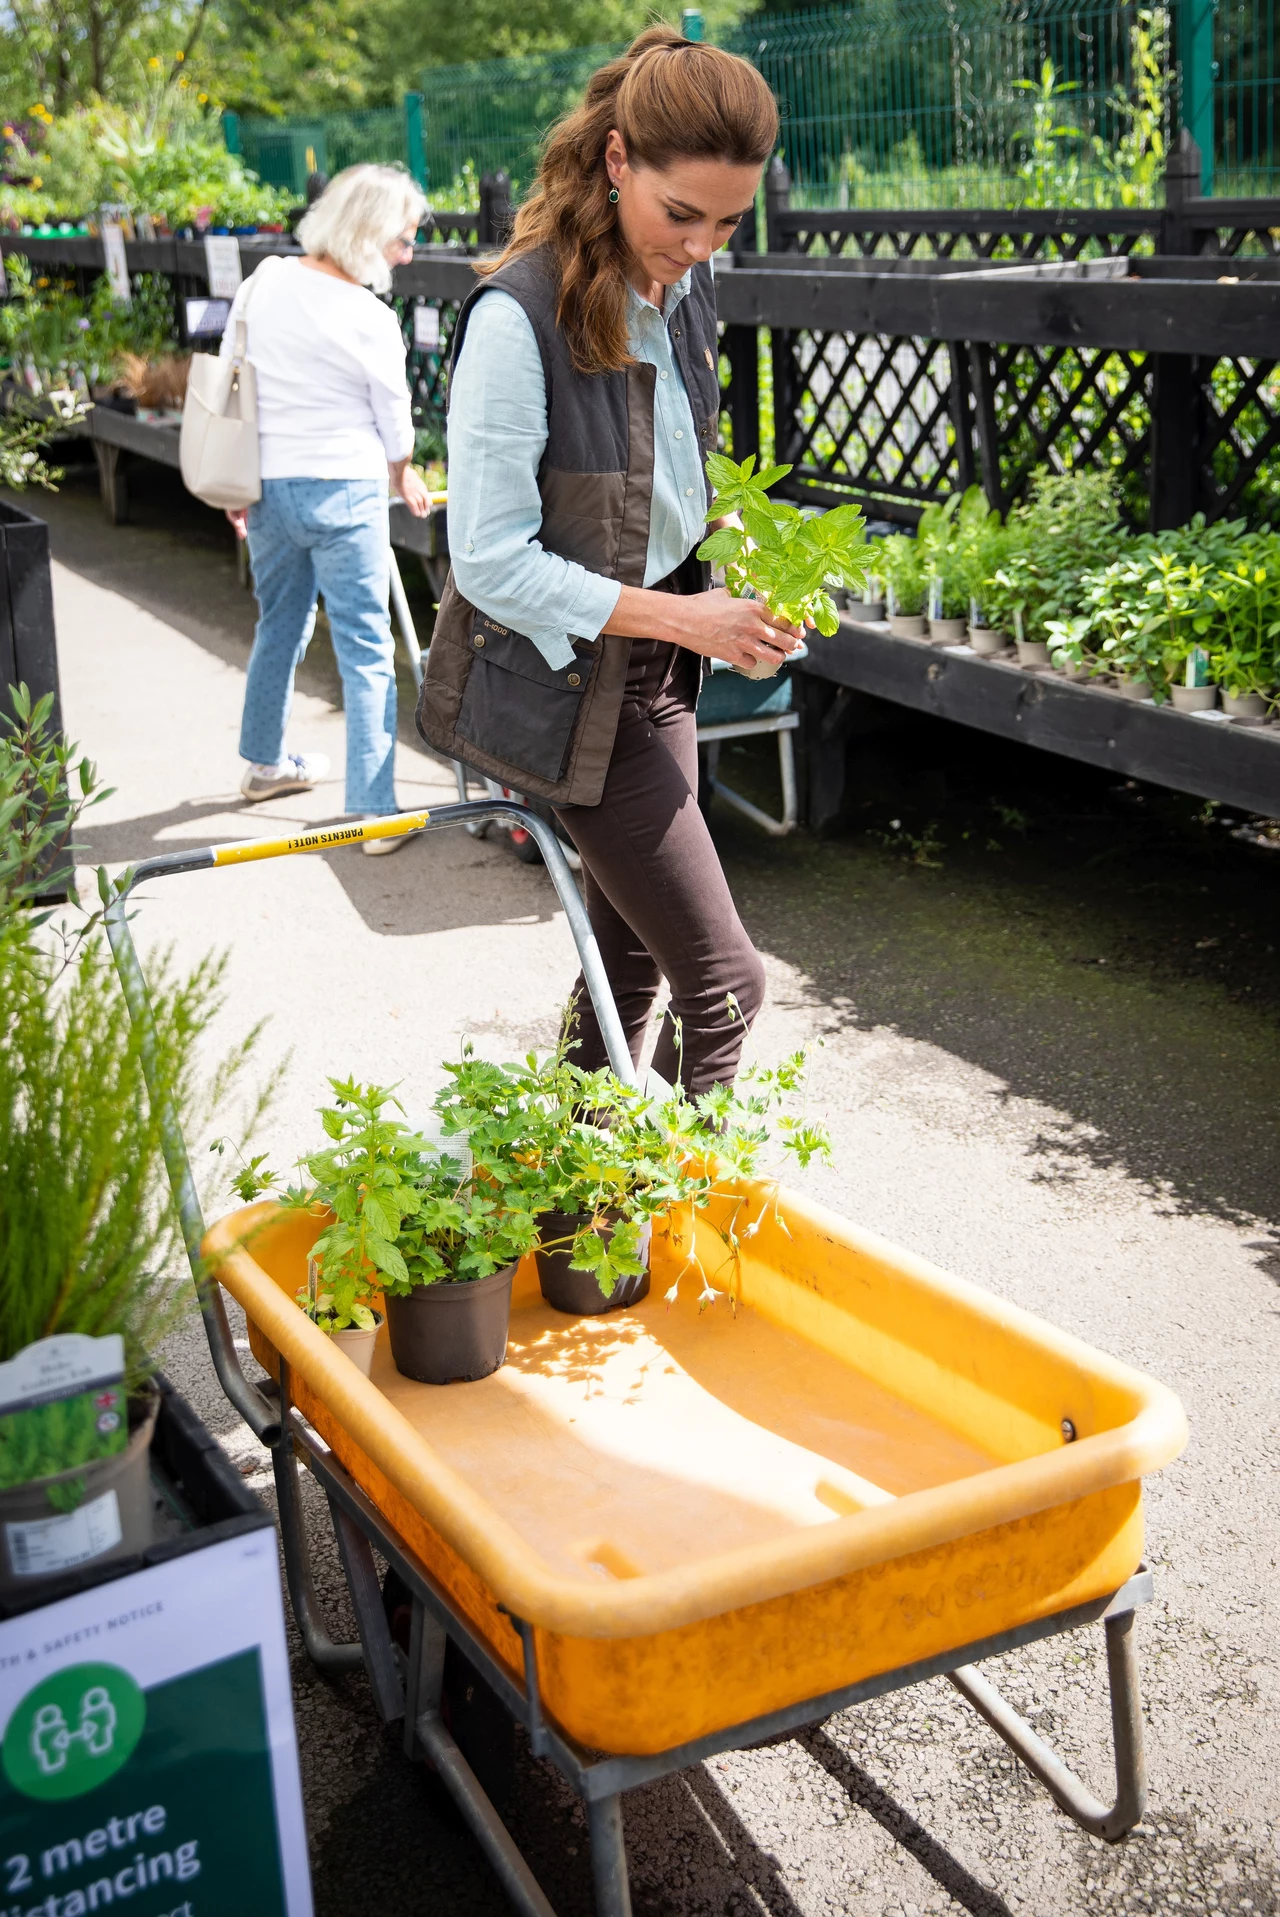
{"x":659,"y":1534}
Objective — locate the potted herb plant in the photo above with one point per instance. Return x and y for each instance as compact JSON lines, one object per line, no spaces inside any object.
{"x":437,"y":1242}
{"x":561,"y":1143}
{"x":1244,"y":655}
{"x":602,"y":1165}
{"x":792,"y":560}
{"x":901,"y":564}
{"x":938,"y":536}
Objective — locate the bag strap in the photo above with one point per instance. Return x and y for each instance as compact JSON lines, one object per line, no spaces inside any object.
{"x":241,"y":348}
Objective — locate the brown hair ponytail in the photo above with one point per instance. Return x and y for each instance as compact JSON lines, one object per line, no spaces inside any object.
{"x":670,"y":99}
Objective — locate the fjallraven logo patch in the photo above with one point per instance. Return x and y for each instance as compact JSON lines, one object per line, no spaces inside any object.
{"x":706,"y":353}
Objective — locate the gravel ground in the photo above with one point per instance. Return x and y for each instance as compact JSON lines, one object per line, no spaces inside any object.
{"x":1049,"y":1062}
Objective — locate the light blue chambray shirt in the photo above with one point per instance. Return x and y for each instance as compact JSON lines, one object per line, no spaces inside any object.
{"x":497,"y":435}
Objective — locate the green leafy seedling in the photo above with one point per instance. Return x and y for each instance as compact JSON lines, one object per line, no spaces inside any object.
{"x":791,"y":561}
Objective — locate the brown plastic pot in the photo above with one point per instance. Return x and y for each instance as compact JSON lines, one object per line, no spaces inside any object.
{"x":1032,"y":652}
{"x":908,"y":625}
{"x":577,"y":1292}
{"x":113,"y":1518}
{"x":444,"y":1332}
{"x":1129,"y":688}
{"x":986,"y":641}
{"x":1194,"y":698}
{"x":948,"y":632}
{"x":1244,"y":705}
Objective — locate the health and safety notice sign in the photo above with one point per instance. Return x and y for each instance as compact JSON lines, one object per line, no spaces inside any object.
{"x":148,"y":1764}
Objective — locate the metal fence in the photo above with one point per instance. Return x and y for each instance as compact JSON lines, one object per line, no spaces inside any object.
{"x":933,"y":102}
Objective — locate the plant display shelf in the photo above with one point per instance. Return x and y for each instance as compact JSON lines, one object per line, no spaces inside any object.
{"x":1208,"y":755}
{"x":1023,"y":1524}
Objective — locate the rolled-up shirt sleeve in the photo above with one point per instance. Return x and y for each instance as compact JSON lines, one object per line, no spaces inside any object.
{"x":497,"y":435}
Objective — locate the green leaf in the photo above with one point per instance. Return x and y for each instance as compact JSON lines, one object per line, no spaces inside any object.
{"x":721,"y":546}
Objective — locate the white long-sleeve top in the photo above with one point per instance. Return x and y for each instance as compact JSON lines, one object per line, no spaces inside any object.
{"x":333,"y":400}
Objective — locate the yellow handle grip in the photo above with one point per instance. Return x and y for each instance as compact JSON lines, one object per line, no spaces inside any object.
{"x":354,"y":833}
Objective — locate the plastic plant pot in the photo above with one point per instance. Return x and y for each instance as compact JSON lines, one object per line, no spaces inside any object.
{"x":1194,"y":698}
{"x":948,"y":632}
{"x":1244,"y":705}
{"x":359,"y":1344}
{"x":446,"y":1332}
{"x":987,"y":641}
{"x":908,"y":625}
{"x":867,"y":612}
{"x":1132,"y":688}
{"x":40,"y":1542}
{"x":1032,"y":652}
{"x":577,"y":1292}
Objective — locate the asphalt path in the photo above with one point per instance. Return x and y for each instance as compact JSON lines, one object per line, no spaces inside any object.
{"x":1049,"y":1058}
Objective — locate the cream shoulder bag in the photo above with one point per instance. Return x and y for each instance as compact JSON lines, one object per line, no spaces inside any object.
{"x":218,"y":444}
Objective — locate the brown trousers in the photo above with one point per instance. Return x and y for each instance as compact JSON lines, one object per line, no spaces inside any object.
{"x":657,"y":898}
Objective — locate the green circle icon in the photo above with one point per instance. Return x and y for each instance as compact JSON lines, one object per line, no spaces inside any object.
{"x":73,"y":1731}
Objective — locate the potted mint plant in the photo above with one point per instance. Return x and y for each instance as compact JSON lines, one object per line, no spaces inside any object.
{"x":900,"y":563}
{"x":410,"y":1227}
{"x":600,"y":1164}
{"x":792,"y":560}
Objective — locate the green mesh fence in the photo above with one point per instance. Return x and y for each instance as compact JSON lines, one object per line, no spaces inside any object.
{"x":1247,"y":59}
{"x":283,"y":152}
{"x":926,"y":102}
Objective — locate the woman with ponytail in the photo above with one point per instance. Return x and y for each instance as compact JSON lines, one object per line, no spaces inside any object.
{"x":576,"y":623}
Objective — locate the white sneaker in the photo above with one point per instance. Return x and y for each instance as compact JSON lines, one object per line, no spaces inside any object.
{"x":382,"y":848}
{"x":293,"y":774}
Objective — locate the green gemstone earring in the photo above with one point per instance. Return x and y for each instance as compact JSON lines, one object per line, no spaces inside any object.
{"x":614,"y":196}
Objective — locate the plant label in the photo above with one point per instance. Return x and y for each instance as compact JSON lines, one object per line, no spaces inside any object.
{"x":62,"y":1404}
{"x":40,"y":1547}
{"x":116,"y":262}
{"x":222,"y":265}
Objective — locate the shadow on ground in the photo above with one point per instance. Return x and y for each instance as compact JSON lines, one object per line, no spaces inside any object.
{"x":1106,"y":950}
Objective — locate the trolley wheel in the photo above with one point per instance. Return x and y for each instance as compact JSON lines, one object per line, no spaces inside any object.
{"x":525,"y":846}
{"x":471,"y":1708}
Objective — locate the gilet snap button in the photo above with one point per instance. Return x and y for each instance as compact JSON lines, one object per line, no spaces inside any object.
{"x":575,"y":679}
{"x":479,"y":639}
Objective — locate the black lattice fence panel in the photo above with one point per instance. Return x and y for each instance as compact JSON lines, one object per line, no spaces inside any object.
{"x":1259,"y":239}
{"x":1240,"y":437}
{"x":992,"y":233}
{"x":858,"y":410}
{"x":1067,"y":407}
{"x":999,"y":241}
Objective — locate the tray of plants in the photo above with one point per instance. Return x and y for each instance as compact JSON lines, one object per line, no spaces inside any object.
{"x":675,"y":1457}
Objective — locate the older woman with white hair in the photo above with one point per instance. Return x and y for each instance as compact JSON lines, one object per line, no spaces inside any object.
{"x":333,"y":424}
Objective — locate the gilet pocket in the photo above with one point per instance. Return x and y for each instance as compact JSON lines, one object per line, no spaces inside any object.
{"x":516,"y":707}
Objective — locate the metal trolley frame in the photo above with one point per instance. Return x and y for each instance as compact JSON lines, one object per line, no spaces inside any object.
{"x":409,"y":1687}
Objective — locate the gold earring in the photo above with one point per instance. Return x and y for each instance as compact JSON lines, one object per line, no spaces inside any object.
{"x":614,"y":196}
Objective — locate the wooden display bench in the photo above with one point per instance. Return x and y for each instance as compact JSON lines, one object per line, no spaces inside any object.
{"x":1206,"y":754}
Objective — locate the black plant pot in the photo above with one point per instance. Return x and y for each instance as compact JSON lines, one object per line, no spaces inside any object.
{"x":447,"y":1331}
{"x":578,"y":1292}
